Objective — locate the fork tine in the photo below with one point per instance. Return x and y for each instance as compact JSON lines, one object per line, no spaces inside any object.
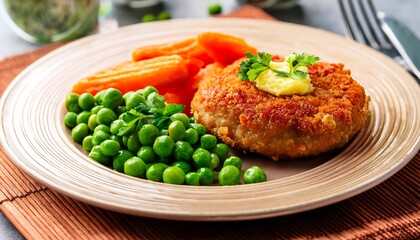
{"x":352,"y":18}
{"x":375,"y":24}
{"x":362,"y":23}
{"x":358,"y":20}
{"x":382,"y":41}
{"x":346,"y":18}
{"x":369,"y":28}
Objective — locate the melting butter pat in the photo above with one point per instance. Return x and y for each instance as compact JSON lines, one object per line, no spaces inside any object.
{"x":269,"y":82}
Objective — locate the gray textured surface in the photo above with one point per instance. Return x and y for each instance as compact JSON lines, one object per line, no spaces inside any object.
{"x":322,"y":14}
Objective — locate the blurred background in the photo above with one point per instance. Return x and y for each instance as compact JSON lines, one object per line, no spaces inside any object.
{"x":322,"y":14}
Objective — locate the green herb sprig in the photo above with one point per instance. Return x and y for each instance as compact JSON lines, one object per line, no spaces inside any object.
{"x":256,"y":64}
{"x":148,"y":113}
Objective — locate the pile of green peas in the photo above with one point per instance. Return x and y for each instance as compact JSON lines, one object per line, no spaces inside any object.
{"x":157,"y":145}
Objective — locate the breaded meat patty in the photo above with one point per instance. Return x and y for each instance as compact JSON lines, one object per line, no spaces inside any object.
{"x":292,"y":126}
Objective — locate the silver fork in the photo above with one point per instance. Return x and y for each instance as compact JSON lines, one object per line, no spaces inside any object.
{"x":363,"y":25}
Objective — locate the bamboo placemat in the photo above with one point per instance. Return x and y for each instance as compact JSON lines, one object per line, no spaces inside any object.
{"x":388,"y":211}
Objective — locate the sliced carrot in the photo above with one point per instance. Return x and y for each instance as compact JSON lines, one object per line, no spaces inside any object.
{"x":160,"y":72}
{"x":152,"y":51}
{"x":223,"y":48}
{"x":188,"y":48}
{"x":198,"y":52}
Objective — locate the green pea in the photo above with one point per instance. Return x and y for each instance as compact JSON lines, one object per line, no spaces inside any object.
{"x":229,"y":175}
{"x":221,"y":150}
{"x":192,"y":120}
{"x":105,"y":116}
{"x":99,"y":96}
{"x":215,"y":161}
{"x":176,"y":130}
{"x":155,"y":172}
{"x":148,"y":166}
{"x":79,"y":132}
{"x":98,"y":156}
{"x":157,"y":100}
{"x":87,"y":143}
{"x":83,"y":117}
{"x":202,"y":158}
{"x":254,"y":174}
{"x":142,"y":123}
{"x":147,"y":134}
{"x":148,"y":18}
{"x":112,"y":98}
{"x":96,"y":109}
{"x":110,"y":147}
{"x":181,"y":117}
{"x":208,"y":141}
{"x":72,"y":103}
{"x":164,"y":15}
{"x":163,"y":132}
{"x":135,"y":167}
{"x":163,"y":146}
{"x":126,"y":95}
{"x":133,"y":100}
{"x":118,"y":139}
{"x":70,"y":119}
{"x":183,"y":151}
{"x":99,"y":136}
{"x":86,"y":101}
{"x":191,"y":136}
{"x":201,"y":130}
{"x":183,"y":165}
{"x":215,"y":8}
{"x":206,"y":176}
{"x":192,"y":178}
{"x":102,"y":127}
{"x":116,"y":125}
{"x":173,"y":175}
{"x":120,"y":158}
{"x":147,"y":154}
{"x":141,"y":91}
{"x":133,"y":143}
{"x":233,"y":160}
{"x":148,"y":90}
{"x":92,"y":124}
{"x":125,"y":140}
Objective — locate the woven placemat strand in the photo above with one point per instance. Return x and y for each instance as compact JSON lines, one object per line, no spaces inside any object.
{"x":388,"y":211}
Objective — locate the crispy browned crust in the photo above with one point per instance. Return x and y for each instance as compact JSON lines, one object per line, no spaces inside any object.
{"x":287,"y":126}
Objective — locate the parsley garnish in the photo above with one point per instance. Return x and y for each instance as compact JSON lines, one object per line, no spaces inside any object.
{"x":256,"y":64}
{"x":148,"y":112}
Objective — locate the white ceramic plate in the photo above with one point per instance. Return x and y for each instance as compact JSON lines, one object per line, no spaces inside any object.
{"x":34,"y":136}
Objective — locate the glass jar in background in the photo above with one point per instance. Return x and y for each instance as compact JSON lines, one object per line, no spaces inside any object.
{"x":46,"y":21}
{"x":280,"y":4}
{"x":143,"y":3}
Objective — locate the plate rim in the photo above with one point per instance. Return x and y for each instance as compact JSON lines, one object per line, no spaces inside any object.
{"x":315,"y":204}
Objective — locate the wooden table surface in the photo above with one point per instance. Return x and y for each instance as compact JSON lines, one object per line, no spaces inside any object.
{"x":320,"y":14}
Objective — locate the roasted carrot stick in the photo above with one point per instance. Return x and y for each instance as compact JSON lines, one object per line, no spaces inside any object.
{"x":188,"y":48}
{"x":223,"y":48}
{"x":152,"y":51}
{"x":160,"y":72}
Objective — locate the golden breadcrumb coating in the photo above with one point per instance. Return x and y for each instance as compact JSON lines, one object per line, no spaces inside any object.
{"x":292,"y":126}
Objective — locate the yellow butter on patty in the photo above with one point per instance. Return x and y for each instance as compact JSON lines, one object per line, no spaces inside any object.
{"x":269,"y":82}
